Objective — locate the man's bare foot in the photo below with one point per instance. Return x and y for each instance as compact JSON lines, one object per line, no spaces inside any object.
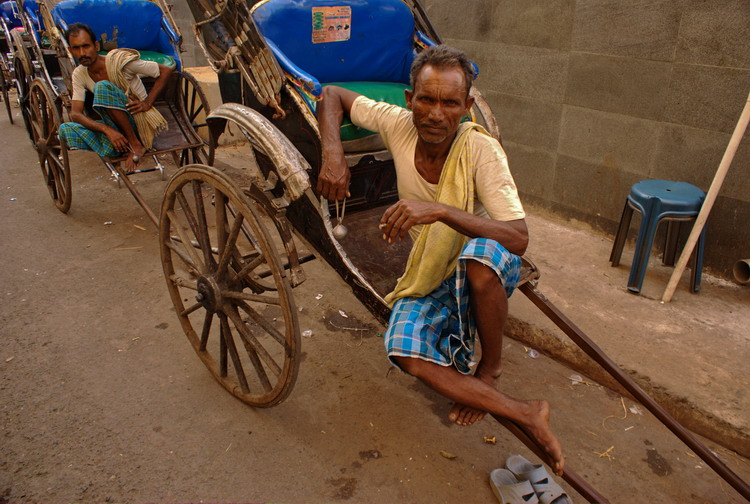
{"x":134,"y":157}
{"x":538,"y":428}
{"x":466,"y":415}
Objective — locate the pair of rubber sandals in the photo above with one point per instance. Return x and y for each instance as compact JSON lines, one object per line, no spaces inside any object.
{"x":525,"y":483}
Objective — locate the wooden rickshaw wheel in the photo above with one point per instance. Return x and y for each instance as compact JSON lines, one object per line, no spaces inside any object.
{"x":44,"y":119}
{"x":196,"y":104}
{"x":229,"y":289}
{"x":5,"y":89}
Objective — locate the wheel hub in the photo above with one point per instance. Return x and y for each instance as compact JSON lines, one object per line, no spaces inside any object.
{"x":209,"y":293}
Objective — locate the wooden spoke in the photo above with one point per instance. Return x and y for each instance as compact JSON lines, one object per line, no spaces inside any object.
{"x":207,"y":320}
{"x":184,"y":257}
{"x":258,"y":365}
{"x":247,"y":268}
{"x":224,"y":329}
{"x":251,"y":297}
{"x":229,"y":340}
{"x":221,"y":220}
{"x":181,"y":282}
{"x":248,"y":337}
{"x":195,"y":103}
{"x":193,"y":223}
{"x":183,"y":234}
{"x":229,"y":245}
{"x":200,"y":210}
{"x":188,"y":311}
{"x":262,"y":322}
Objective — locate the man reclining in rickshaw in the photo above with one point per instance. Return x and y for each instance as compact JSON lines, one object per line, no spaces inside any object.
{"x":459,"y":203}
{"x":128,"y":122}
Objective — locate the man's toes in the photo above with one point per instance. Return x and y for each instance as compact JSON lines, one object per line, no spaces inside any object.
{"x":478,"y":416}
{"x":453,"y":414}
{"x":461,"y":416}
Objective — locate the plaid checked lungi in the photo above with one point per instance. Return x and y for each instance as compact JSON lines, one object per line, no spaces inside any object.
{"x":106,"y":96}
{"x":438,"y":327}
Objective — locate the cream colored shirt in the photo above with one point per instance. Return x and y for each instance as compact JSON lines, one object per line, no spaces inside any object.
{"x":495,"y":195}
{"x":82,"y":81}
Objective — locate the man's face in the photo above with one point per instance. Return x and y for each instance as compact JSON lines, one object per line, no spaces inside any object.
{"x":438,"y":103}
{"x":83,"y":48}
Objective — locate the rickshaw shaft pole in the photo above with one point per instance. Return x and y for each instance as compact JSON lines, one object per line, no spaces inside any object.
{"x":579,"y":484}
{"x":596,"y":353}
{"x":137,"y":195}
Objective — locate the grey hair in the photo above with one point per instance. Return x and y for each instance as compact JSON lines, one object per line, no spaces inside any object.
{"x":442,"y":56}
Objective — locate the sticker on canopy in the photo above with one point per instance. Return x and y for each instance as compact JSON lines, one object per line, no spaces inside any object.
{"x":331,"y":24}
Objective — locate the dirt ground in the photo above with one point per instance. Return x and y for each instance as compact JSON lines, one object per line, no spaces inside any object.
{"x":102,"y":399}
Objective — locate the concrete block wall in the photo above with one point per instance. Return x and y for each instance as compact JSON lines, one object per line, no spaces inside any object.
{"x":594,"y":95}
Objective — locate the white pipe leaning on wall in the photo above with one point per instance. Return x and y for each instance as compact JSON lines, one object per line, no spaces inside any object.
{"x":741,"y":271}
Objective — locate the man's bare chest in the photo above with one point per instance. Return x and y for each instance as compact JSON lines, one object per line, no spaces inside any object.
{"x":429,"y":170}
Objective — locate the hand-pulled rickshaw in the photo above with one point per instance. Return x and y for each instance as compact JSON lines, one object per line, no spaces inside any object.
{"x":229,"y":233}
{"x":44,"y":82}
{"x":11,"y":41}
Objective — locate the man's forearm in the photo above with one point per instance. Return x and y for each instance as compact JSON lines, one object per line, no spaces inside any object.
{"x":330,"y":117}
{"x":513,"y":235}
{"x":88,"y":123}
{"x":158,"y":87}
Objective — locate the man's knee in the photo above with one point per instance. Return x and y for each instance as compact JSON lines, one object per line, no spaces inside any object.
{"x":481,"y":276}
{"x":410,"y":365}
{"x":68,"y":130}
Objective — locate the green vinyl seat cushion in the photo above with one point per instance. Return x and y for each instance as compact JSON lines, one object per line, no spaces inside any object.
{"x":390,"y":92}
{"x":157,"y":57}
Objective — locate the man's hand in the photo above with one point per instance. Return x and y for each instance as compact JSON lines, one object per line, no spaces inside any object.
{"x":333,"y":180}
{"x":118,"y":139}
{"x":137,"y":105}
{"x":401,"y":216}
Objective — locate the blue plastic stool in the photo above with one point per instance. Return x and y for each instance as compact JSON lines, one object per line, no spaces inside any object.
{"x":659,"y":200}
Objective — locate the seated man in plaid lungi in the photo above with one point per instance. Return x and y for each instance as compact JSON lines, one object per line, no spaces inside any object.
{"x":459,"y":203}
{"x":116,"y":132}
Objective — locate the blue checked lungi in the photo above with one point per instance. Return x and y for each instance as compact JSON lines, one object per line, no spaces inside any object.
{"x":438,"y":327}
{"x":76,"y":136}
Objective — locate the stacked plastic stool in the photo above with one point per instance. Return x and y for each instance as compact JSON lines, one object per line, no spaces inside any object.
{"x":658,"y":200}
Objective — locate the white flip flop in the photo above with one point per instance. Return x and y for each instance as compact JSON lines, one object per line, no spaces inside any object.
{"x":546,"y":488}
{"x":511,"y":491}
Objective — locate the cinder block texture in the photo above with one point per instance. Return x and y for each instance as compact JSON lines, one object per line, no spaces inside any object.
{"x":527,"y":121}
{"x":537,"y":23}
{"x":599,"y":189}
{"x":693,"y":155}
{"x":707,"y":97}
{"x":618,"y":141}
{"x":727,"y":235}
{"x":518,"y":70}
{"x":467,"y":20}
{"x":715,"y":33}
{"x":635,"y":28}
{"x":532,"y":169}
{"x":629,"y":86}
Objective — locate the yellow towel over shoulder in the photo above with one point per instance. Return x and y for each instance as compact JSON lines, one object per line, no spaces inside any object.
{"x":425,"y":271}
{"x":149,"y":123}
